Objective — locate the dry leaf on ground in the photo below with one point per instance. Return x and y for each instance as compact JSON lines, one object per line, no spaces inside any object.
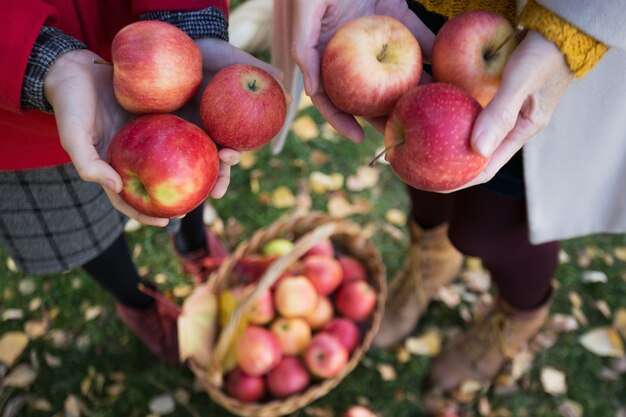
{"x":553,"y":381}
{"x":22,"y":376}
{"x":428,"y":344}
{"x":603,"y":341}
{"x":12,"y":344}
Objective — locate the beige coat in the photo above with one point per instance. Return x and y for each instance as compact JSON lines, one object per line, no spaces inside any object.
{"x":575,"y":169}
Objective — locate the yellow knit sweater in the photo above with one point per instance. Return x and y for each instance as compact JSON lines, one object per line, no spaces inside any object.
{"x":581,"y":51}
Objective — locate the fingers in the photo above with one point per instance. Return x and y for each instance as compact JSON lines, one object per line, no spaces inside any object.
{"x":223,"y":179}
{"x":306,"y":31}
{"x":123,"y":207}
{"x":90,"y":167}
{"x":230,"y":156}
{"x":344,"y":123}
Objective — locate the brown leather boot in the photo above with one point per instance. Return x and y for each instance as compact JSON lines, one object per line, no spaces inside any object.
{"x":200,"y":263}
{"x":481,"y":352}
{"x":157,"y":328}
{"x":432,"y":262}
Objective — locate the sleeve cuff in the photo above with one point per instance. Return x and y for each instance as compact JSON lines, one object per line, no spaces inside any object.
{"x":50,"y":44}
{"x":581,"y":51}
{"x":207,"y":23}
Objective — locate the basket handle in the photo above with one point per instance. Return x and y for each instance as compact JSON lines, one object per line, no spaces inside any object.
{"x":270,"y":276}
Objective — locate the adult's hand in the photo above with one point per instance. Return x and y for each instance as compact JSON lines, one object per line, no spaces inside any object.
{"x":535,"y":78}
{"x":88,"y":116}
{"x":315,"y":22}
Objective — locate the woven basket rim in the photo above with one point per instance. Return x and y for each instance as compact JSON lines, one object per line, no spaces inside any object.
{"x":299,"y":224}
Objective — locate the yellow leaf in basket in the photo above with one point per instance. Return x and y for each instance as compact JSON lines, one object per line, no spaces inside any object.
{"x":228,"y":302}
{"x":197,"y":325}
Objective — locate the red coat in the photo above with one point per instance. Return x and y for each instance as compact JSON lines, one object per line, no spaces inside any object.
{"x":29,"y":139}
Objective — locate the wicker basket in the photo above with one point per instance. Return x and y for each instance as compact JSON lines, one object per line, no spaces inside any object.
{"x":307,"y":230}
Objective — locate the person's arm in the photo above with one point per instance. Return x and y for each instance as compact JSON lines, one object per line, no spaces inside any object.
{"x":536,"y":76}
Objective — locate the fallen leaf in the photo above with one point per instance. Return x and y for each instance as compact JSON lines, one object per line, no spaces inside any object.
{"x":467,"y":390}
{"x":321,"y":183}
{"x":396,"y":217}
{"x":12,"y":345}
{"x":569,"y":408}
{"x":575,"y":299}
{"x":36,"y":328}
{"x":563,"y":323}
{"x":450,"y":295}
{"x":603,"y":341}
{"x":26,"y":286}
{"x":484,"y":407}
{"x":603,"y":308}
{"x":387,"y":372}
{"x":403,"y":355}
{"x":305,"y":128}
{"x":92,"y":313}
{"x":580,"y":316}
{"x":564,"y":257}
{"x":40,"y":404}
{"x":11,"y":265}
{"x":594,"y":276}
{"x":115,"y":390}
{"x":428,"y":344}
{"x":365,"y":177}
{"x":132,"y":225}
{"x":619,"y":321}
{"x":318,"y":157}
{"x":282,"y":197}
{"x":339,"y":206}
{"x":182,"y":291}
{"x":197,"y":325}
{"x":248,"y":160}
{"x":522,"y":364}
{"x":162,"y":404}
{"x":12,"y":314}
{"x":51,"y":360}
{"x":22,"y":376}
{"x":477,"y":280}
{"x":553,"y":381}
{"x":620,"y":253}
{"x":34,"y":304}
{"x":72,"y":406}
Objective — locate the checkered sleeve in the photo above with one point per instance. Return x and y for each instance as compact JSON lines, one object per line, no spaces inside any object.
{"x":50,"y":44}
{"x":207,"y":23}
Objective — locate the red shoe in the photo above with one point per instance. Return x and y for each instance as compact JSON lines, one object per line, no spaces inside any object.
{"x":157,"y":328}
{"x":200,"y":263}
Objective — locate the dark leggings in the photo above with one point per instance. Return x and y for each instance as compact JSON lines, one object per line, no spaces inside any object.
{"x":114,"y":269}
{"x":494,"y":228}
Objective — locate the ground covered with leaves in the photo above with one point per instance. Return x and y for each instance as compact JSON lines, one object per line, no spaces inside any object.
{"x":63,"y":352}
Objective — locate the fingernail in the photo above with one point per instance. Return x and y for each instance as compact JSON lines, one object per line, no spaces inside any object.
{"x":110,"y":185}
{"x":485,"y":144}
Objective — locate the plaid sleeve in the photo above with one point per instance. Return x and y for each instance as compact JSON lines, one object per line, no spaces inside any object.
{"x":207,"y":23}
{"x":50,"y":44}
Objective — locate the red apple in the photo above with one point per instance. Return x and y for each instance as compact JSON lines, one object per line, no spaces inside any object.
{"x":322,"y":315}
{"x":295,"y":296}
{"x":325,"y":356}
{"x":430,"y":130}
{"x":244,"y":387}
{"x":346,"y":331}
{"x":168,"y":165}
{"x":257,"y":350}
{"x":356,"y":300}
{"x":471,"y":50}
{"x":262,"y":311}
{"x":294,"y":334}
{"x":352,"y":269}
{"x":358,"y":411}
{"x":323,"y":271}
{"x":288,"y":378}
{"x":325,"y":248}
{"x":369,"y":63}
{"x":243,"y":107}
{"x":156,"y":67}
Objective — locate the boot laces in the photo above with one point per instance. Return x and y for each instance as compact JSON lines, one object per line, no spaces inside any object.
{"x":490,"y":333}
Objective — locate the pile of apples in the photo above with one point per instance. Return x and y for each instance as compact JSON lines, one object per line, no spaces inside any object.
{"x":169,"y":165}
{"x":303,"y":329}
{"x":372,"y":65}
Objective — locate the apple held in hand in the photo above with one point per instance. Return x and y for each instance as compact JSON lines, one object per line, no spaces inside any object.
{"x":428,"y":137}
{"x":471,"y":50}
{"x":156,"y":67}
{"x":243,"y":107}
{"x":369,"y":63}
{"x":168,"y":165}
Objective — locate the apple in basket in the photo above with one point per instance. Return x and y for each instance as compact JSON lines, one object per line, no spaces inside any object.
{"x":323,"y":271}
{"x":322,"y":315}
{"x":257,"y":350}
{"x":289,"y":377}
{"x":325,"y":356}
{"x":295,"y":296}
{"x":356,"y":300}
{"x":294,"y":334}
{"x":244,"y":387}
{"x":346,"y":331}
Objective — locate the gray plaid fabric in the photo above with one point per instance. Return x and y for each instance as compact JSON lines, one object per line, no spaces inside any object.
{"x":207,"y":23}
{"x":51,"y":220}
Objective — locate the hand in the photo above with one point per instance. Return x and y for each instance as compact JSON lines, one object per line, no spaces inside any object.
{"x":534,"y":80}
{"x":315,"y":22}
{"x":88,"y":116}
{"x":218,"y":54}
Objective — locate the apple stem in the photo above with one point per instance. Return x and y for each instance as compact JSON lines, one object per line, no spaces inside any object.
{"x":387,"y":149}
{"x":491,"y":54}
{"x":102,"y":62}
{"x":383,"y":54}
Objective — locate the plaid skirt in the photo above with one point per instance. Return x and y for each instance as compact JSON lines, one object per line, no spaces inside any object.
{"x":51,"y":220}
